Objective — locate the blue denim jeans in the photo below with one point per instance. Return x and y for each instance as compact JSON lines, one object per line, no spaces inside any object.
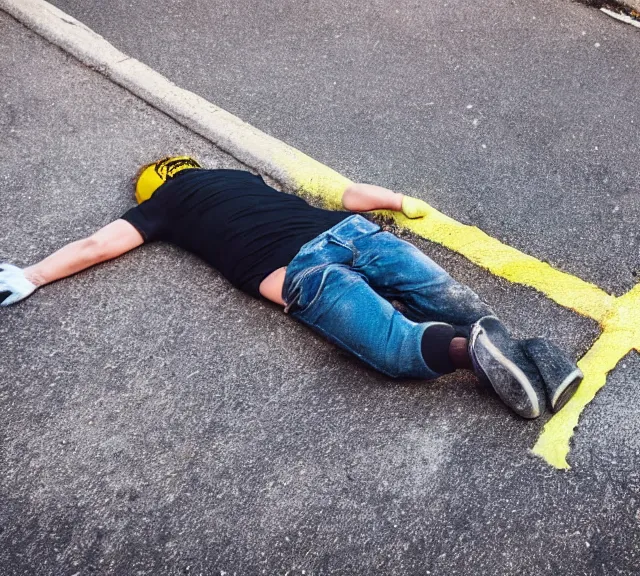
{"x":342,"y":283}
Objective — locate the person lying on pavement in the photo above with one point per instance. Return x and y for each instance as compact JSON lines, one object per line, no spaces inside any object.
{"x":338,"y":272}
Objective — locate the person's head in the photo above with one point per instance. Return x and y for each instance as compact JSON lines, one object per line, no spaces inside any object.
{"x":151,"y":176}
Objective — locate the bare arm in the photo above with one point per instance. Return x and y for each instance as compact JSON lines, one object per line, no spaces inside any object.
{"x":360,"y":197}
{"x":109,"y":242}
{"x":364,"y":197}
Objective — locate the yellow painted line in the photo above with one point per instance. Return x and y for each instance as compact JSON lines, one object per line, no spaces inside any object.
{"x":308,"y":177}
{"x":621,"y":335}
{"x":604,"y":355}
{"x":509,"y":263}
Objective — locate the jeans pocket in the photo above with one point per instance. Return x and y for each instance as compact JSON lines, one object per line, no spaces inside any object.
{"x":306,"y":281}
{"x":298,"y":291}
{"x":343,"y":251}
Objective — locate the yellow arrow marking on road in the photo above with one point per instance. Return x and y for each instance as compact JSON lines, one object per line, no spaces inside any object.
{"x":619,"y":317}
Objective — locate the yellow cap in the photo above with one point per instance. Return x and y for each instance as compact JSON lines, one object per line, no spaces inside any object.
{"x":156,"y":174}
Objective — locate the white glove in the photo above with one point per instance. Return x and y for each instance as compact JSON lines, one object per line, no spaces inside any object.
{"x":14,"y":286}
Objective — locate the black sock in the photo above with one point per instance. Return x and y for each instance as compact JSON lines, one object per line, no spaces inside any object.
{"x":435,"y":344}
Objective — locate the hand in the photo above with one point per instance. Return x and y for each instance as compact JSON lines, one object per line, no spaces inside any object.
{"x":14,"y":285}
{"x":414,"y":208}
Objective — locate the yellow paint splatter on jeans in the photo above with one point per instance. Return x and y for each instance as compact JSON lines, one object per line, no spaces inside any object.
{"x":618,"y":317}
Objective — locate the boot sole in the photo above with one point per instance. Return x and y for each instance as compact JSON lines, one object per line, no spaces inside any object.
{"x":566,"y":390}
{"x":551,"y":362}
{"x":514,"y":372}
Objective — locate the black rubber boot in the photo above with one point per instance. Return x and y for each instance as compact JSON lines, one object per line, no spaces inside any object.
{"x":500,"y":362}
{"x":561,"y":376}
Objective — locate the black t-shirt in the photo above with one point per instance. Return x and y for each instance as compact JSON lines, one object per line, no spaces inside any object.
{"x":233,"y":221}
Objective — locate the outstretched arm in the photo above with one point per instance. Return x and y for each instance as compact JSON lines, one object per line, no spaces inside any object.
{"x":360,"y":197}
{"x":109,"y":242}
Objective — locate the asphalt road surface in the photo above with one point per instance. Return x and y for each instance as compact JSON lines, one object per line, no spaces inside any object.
{"x":155,"y":421}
